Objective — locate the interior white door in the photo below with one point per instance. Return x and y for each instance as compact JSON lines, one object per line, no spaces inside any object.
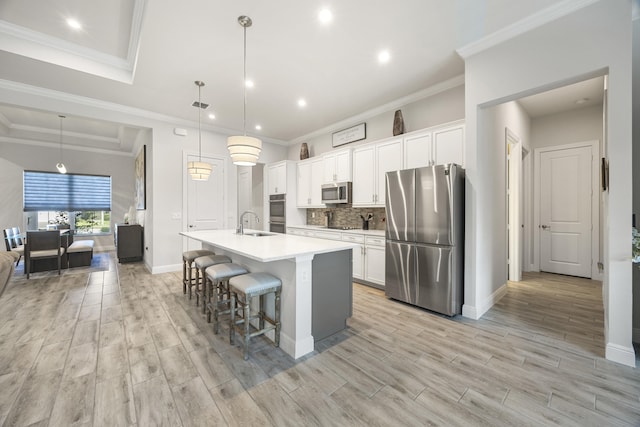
{"x":565,"y":211}
{"x":245,"y":195}
{"x":205,"y":199}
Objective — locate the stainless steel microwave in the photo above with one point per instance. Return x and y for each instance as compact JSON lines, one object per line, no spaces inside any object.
{"x":339,"y":192}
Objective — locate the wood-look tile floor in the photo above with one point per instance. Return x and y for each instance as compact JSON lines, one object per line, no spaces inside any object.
{"x":124,"y":347}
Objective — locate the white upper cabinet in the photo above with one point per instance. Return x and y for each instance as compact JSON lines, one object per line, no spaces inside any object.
{"x":337,"y":166}
{"x":277,"y":173}
{"x":310,"y":173}
{"x":448,"y":144}
{"x":370,"y":163}
{"x":417,"y":150}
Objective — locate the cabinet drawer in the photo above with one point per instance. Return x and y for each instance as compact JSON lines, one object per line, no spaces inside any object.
{"x":329,"y":235}
{"x":355,"y":238}
{"x":374,"y":241}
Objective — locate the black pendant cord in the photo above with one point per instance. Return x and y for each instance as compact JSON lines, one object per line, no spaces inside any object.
{"x":199,"y":130}
{"x":244,"y":71}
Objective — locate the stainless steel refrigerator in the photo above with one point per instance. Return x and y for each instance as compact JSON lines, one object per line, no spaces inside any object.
{"x":425,"y":237}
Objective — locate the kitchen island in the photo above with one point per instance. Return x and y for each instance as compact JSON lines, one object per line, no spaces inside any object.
{"x":316,"y":274}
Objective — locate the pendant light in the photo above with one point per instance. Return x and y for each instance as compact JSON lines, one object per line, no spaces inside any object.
{"x":60,"y":166}
{"x":199,"y":170}
{"x":244,"y":150}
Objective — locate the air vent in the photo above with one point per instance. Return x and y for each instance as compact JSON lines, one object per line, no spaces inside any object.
{"x":200,"y":104}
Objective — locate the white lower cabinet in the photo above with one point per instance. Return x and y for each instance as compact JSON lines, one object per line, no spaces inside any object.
{"x":374,"y":260}
{"x":368,"y":257}
{"x":358,"y":254}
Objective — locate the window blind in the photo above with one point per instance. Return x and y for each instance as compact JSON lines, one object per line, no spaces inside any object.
{"x":48,"y":191}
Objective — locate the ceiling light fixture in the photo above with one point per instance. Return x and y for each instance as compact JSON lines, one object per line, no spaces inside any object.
{"x":249,"y":83}
{"x":258,"y":127}
{"x":212,"y":116}
{"x":244,"y":150}
{"x":199,"y":170}
{"x":582,"y":101}
{"x":384,"y":56}
{"x":60,"y":166}
{"x":302,"y":103}
{"x":325,"y":16}
{"x":73,"y":23}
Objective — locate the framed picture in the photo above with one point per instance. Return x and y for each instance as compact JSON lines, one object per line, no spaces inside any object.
{"x":141,"y":179}
{"x":355,"y":133}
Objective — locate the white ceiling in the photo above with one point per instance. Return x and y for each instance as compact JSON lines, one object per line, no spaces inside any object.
{"x":147,"y":54}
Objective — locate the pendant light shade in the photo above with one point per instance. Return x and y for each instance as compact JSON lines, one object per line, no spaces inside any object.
{"x":199,"y":170}
{"x":60,"y":166}
{"x":244,"y":150}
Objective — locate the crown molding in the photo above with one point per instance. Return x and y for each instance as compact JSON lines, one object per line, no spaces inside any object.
{"x":550,"y":14}
{"x":393,"y":105}
{"x":65,"y":97}
{"x":19,"y":141}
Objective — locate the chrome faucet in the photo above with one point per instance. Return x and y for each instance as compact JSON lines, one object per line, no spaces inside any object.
{"x":240,"y":229}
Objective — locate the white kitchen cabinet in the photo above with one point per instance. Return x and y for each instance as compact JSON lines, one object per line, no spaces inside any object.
{"x":358,"y":254}
{"x":337,"y":166}
{"x":309,"y":183}
{"x":277,"y":178}
{"x":370,"y":163}
{"x":448,"y":144}
{"x":417,"y":149}
{"x":363,"y":186}
{"x":388,"y":158}
{"x":374,"y":260}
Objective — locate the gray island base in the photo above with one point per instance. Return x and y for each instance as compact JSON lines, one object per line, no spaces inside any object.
{"x":316,"y":276}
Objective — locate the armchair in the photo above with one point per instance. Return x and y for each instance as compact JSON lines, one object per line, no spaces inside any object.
{"x":43,"y":245}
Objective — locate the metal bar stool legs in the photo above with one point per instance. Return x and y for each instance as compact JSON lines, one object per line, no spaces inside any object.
{"x":243,"y":288}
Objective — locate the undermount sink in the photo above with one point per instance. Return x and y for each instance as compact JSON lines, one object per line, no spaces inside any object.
{"x":258,"y":234}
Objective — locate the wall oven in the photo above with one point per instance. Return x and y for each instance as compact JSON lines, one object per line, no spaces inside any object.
{"x":277,"y":213}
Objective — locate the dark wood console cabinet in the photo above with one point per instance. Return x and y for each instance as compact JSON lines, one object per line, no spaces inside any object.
{"x":129,"y":242}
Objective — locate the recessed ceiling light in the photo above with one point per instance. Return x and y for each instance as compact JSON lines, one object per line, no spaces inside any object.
{"x":582,"y":101}
{"x":325,"y":16}
{"x":249,"y":83}
{"x":73,"y":23}
{"x":384,"y":57}
{"x":258,"y":127}
{"x":302,"y":103}
{"x":212,"y":116}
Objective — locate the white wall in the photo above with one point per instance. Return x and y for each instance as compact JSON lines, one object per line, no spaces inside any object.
{"x":584,"y":124}
{"x":17,"y":157}
{"x":440,"y":108}
{"x":496,"y":120}
{"x":589,"y":42}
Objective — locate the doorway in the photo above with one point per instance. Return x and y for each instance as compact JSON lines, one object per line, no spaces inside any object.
{"x":204,"y":202}
{"x":567,"y":208}
{"x":515,"y":204}
{"x":250,"y":195}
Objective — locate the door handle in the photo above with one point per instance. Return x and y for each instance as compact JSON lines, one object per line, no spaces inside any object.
{"x":191,"y":226}
{"x":545,"y":227}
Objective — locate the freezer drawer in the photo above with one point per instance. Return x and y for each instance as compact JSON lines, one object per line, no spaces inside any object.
{"x":400,"y":272}
{"x":436,"y":288}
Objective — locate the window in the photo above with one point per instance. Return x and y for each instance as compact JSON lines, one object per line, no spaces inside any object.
{"x":79,"y":202}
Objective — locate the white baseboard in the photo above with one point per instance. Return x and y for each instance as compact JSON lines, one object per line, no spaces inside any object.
{"x":477,"y":312}
{"x":621,"y":354}
{"x":166,"y":268}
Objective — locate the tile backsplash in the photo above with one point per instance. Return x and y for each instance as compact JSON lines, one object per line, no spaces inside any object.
{"x":347,"y":217}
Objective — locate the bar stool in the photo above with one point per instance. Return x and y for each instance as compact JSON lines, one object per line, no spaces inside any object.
{"x":218,"y":293}
{"x":243,"y":288}
{"x":201,"y":264}
{"x":187,"y":260}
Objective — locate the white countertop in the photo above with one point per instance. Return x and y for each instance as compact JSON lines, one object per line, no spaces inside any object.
{"x":267,"y":248}
{"x":377,"y":233}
